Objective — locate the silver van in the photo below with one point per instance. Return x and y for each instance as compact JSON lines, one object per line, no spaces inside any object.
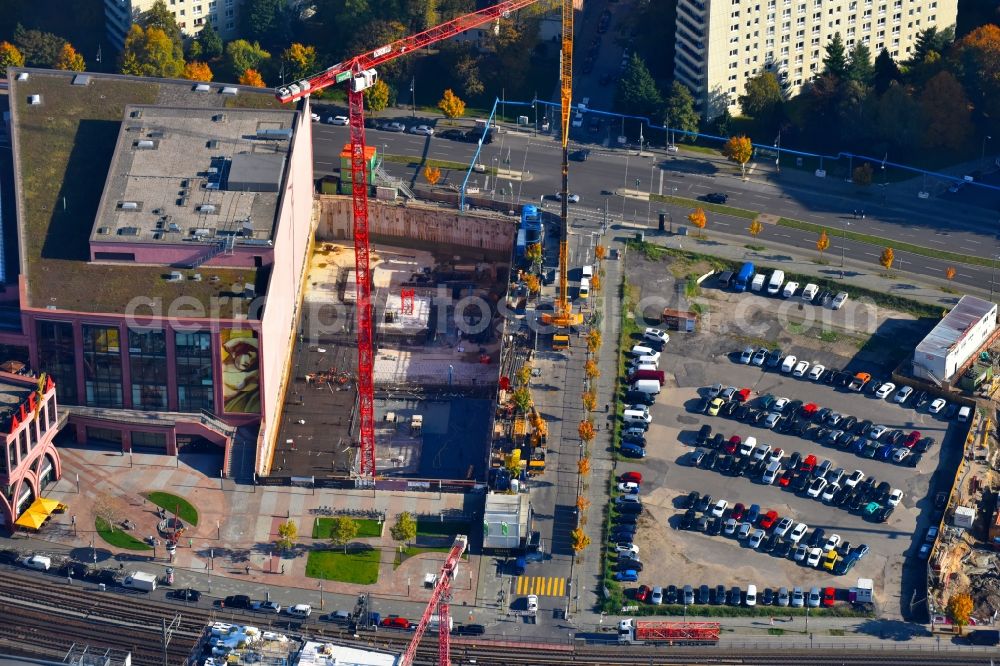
{"x":636,"y":416}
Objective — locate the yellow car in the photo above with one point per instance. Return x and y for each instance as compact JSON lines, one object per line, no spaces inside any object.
{"x":830,"y":560}
{"x":715,"y":406}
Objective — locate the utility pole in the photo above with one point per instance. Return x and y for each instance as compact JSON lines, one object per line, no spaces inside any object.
{"x":166,"y":633}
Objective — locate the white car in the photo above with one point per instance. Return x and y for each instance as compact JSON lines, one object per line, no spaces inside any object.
{"x":756,"y":538}
{"x":39,"y":562}
{"x":747,"y":446}
{"x":656,"y":335}
{"x":796,"y":534}
{"x":315,"y":117}
{"x":479,"y":167}
{"x":394,"y":127}
{"x":816,"y":372}
{"x":532,"y":603}
{"x":877,"y":431}
{"x":816,"y":488}
{"x":776,"y":455}
{"x":856,"y":477}
{"x":781,"y":529}
{"x":578,"y":120}
{"x":800,"y":369}
{"x":672,"y":149}
{"x":771,"y":420}
{"x":720,"y":508}
{"x":831,"y":543}
{"x":627,"y":549}
{"x":713,"y":390}
{"x":572,"y":198}
{"x":895,"y":497}
{"x":839,"y":300}
{"x":937,"y":405}
{"x":337,"y":120}
{"x":779,"y":405}
{"x":815,"y":554}
{"x":628,"y":487}
{"x":423,"y":130}
{"x":801,"y":552}
{"x":790,"y":288}
{"x":265,"y":607}
{"x":809,"y":292}
{"x":761,"y":451}
{"x":789,"y":363}
{"x":830,"y":490}
{"x":903,"y":394}
{"x":885,"y":390}
{"x":299,"y":610}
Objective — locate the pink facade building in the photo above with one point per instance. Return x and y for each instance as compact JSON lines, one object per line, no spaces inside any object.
{"x":159,"y":280}
{"x":29,"y":421}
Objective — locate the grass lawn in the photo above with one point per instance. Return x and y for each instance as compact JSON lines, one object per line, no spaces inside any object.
{"x":174,"y":504}
{"x":410,"y":551}
{"x":436,"y":528}
{"x":367,"y":527}
{"x":360,"y":566}
{"x":119,"y":538}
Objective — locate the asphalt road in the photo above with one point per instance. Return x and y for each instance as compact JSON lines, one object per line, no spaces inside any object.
{"x":943,"y":222}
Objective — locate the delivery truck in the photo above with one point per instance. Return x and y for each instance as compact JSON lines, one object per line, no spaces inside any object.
{"x":140,"y":580}
{"x":637,"y":632}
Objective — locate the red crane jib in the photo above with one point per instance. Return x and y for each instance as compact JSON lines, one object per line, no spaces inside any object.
{"x":439,"y":602}
{"x":342,"y":70}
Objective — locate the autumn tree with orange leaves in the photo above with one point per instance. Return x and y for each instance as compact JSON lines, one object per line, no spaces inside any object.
{"x":252,"y":77}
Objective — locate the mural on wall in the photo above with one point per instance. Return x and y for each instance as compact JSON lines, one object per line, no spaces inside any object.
{"x":240,"y":371}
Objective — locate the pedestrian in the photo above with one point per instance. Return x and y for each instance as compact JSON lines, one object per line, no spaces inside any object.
{"x":607,"y":407}
{"x":772,"y":620}
{"x":282,"y":568}
{"x":248,"y":569}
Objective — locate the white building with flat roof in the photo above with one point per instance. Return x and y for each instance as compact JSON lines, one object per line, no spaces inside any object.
{"x":958,"y":336}
{"x":720,"y":44}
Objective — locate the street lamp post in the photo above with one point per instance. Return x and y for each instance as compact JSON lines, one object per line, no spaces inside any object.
{"x":413,"y":98}
{"x":843,"y":243}
{"x":982,"y":152}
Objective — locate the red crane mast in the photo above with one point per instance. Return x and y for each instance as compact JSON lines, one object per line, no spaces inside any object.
{"x":440,"y":598}
{"x":359,"y":73}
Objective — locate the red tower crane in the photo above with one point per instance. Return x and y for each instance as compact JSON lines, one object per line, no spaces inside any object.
{"x":359,"y":75}
{"x":440,"y":598}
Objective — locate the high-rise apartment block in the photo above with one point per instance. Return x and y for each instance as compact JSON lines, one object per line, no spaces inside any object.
{"x":723,"y":43}
{"x":191,"y":15}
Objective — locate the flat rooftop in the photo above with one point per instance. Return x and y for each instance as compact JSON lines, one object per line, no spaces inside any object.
{"x":12,"y":395}
{"x":64,"y":148}
{"x":195,"y":175}
{"x":968,"y":312}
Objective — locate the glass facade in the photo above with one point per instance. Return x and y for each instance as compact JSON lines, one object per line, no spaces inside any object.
{"x":149,"y":439}
{"x":195,"y":388}
{"x":57,"y":356}
{"x":102,"y":366}
{"x":147,"y":352}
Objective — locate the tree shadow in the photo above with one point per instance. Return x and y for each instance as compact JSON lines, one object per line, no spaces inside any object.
{"x":894,"y":630}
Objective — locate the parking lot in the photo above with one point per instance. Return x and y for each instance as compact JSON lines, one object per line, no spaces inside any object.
{"x":695,"y":361}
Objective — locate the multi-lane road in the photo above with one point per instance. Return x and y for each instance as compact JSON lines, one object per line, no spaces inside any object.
{"x":943,"y":222}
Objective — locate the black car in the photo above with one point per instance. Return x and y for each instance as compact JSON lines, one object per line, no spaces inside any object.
{"x":823,"y":293}
{"x":469,"y":630}
{"x":769,"y":544}
{"x":704,"y":433}
{"x":767,"y":598}
{"x":773,"y":359}
{"x":692,"y":499}
{"x":626,"y":564}
{"x":702,"y":406}
{"x":822,"y":415}
{"x":236,"y":601}
{"x":817,"y":538}
{"x":687,"y":520}
{"x":703,"y":594}
{"x":729,"y":408}
{"x":701,"y":525}
{"x":627,"y":519}
{"x":579,"y":155}
{"x":799,"y":483}
{"x":719,"y":597}
{"x":742,"y":411}
{"x":735,"y":596}
{"x":864,"y":427}
{"x":794,"y":460}
{"x":717,"y":441}
{"x":882,"y":492}
{"x":617,"y":536}
{"x":793,"y":407}
{"x":819,"y":434}
{"x":782,"y":549}
{"x":714,"y":527}
{"x":452,"y":134}
{"x":842,"y":379}
{"x":828,"y":375}
{"x":636,"y":439}
{"x":640,"y":397}
{"x":920,"y":399}
{"x":186,"y":594}
{"x":710,"y":461}
{"x":797,"y":427}
{"x":758,"y":416}
{"x":848,"y":424}
{"x":670,"y":595}
{"x":703,"y":503}
{"x":716,"y":197}
{"x":76,"y":570}
{"x":725,"y":465}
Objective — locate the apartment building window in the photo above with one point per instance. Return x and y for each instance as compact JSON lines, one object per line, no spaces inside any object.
{"x":815,"y":29}
{"x":197,"y":10}
{"x":850,"y":42}
{"x":199,"y":21}
{"x":814,"y":41}
{"x":734,"y":65}
{"x":881,"y":21}
{"x":734,"y":39}
{"x":867,"y":27}
{"x":879,"y":46}
{"x":215,"y":18}
{"x":787,"y":13}
{"x":801,"y":20}
{"x":850,"y":32}
{"x":770,"y":30}
{"x":230,"y":25}
{"x":785,"y":39}
{"x":229,"y":13}
{"x":211,"y":6}
{"x":895,"y":42}
{"x":769,"y":44}
{"x":734,"y":52}
{"x":815,"y":54}
{"x":786,"y":26}
{"x":818,"y":16}
{"x":732,"y":77}
{"x":895,"y":19}
{"x":867,"y":14}
{"x":799,"y":46}
{"x":895,"y":30}
{"x":784,"y":50}
{"x":895,"y":53}
{"x":801,"y":9}
{"x":932,"y":17}
{"x":880,"y":34}
{"x":798,"y":60}
{"x":852,"y":21}
{"x":771,"y":4}
{"x":799,"y":34}
{"x":852,"y":6}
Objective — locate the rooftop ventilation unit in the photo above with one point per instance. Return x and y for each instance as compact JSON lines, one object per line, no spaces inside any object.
{"x":129,"y":205}
{"x":81,"y":80}
{"x":23,"y":76}
{"x":128,"y":231}
{"x":230,"y":90}
{"x":174,"y":227}
{"x":103,"y":231}
{"x":196,"y":277}
{"x":145,"y":144}
{"x":136,"y":114}
{"x":219,"y":118}
{"x":201,"y":232}
{"x":202,"y":87}
{"x":274,"y":134}
{"x":34,"y":100}
{"x":206,"y":209}
{"x":175,"y":276}
{"x":212,"y":144}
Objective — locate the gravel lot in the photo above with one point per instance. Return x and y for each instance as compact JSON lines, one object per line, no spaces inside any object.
{"x":697,"y":360}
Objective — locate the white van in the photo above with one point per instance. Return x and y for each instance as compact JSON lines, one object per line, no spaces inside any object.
{"x":809,"y":292}
{"x":42,"y":562}
{"x":774,"y":284}
{"x":964,"y":413}
{"x":300,"y":610}
{"x":758,"y":282}
{"x":630,"y":416}
{"x":642,"y":350}
{"x":646,"y":360}
{"x":790,"y":288}
{"x":435,"y":622}
{"x":644,"y":366}
{"x":650,"y":386}
{"x":587,"y":271}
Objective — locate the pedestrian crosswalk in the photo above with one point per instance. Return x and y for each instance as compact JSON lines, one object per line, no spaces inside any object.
{"x":543,"y":586}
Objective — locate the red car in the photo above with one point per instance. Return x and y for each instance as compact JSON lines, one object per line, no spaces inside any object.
{"x":912,"y":439}
{"x":742,"y":395}
{"x":732,"y":444}
{"x":768,"y":520}
{"x":829,"y":597}
{"x":642,"y":594}
{"x":396,"y":622}
{"x":809,"y":410}
{"x":738,"y":511}
{"x":786,"y":478}
{"x":808,"y":465}
{"x":631,"y":477}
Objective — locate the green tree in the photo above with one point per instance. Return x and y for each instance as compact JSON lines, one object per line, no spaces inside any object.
{"x":288,"y":532}
{"x":39,"y":49}
{"x":377,"y":96}
{"x":374,"y":33}
{"x":762,"y":98}
{"x":886,"y":71}
{"x":10,"y":56}
{"x":861,"y":69}
{"x":264,"y":20}
{"x":69,"y":59}
{"x":862,"y":175}
{"x":467,"y":71}
{"x":149,"y":52}
{"x":522,"y":399}
{"x":343,"y":531}
{"x":242,"y":55}
{"x":835,"y":60}
{"x":898,"y":118}
{"x":158,"y":16}
{"x":928,"y":41}
{"x":210,"y":41}
{"x":637,"y":93}
{"x":405,"y":529}
{"x":946,"y":110}
{"x":680,"y":110}
{"x":299,"y":61}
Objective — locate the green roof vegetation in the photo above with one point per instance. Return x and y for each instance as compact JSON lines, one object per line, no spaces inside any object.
{"x":65,"y":149}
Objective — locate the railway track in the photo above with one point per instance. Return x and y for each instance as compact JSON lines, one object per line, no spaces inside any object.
{"x":46,"y":620}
